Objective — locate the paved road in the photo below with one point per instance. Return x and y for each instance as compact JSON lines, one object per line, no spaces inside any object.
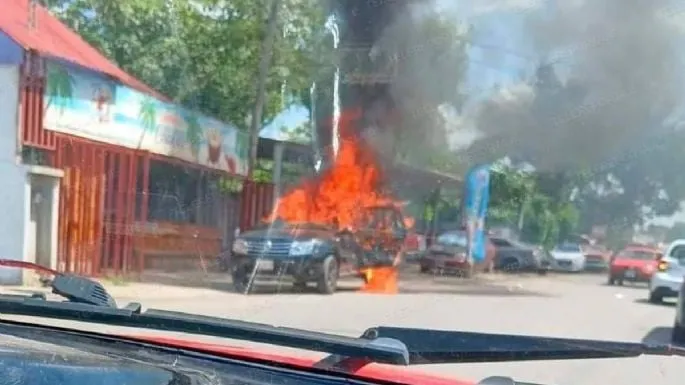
{"x":566,"y":305}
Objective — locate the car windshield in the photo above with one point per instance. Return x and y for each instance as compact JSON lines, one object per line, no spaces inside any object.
{"x":452,"y":239}
{"x":297,"y":163}
{"x":637,"y":254}
{"x":568,"y":247}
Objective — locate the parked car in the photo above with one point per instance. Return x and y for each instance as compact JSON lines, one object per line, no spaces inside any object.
{"x":448,"y":254}
{"x":568,"y":257}
{"x":597,"y":258}
{"x":668,"y":278}
{"x":678,"y":333}
{"x":633,"y":264}
{"x":515,"y":256}
{"x":308,"y":252}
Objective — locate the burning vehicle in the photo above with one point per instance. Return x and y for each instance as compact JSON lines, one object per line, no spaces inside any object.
{"x":309,"y":252}
{"x":342,"y":222}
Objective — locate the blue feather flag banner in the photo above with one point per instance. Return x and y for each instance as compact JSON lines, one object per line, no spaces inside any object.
{"x":476,"y":197}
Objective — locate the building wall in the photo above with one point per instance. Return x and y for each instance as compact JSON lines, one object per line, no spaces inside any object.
{"x":13,"y":175}
{"x":10,"y":52}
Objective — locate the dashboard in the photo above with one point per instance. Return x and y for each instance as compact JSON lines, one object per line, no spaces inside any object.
{"x":36,"y":356}
{"x":496,"y":380}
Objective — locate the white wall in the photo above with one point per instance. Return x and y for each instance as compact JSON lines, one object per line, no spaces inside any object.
{"x":12,"y":177}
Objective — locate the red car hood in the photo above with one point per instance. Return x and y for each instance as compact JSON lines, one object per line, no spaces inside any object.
{"x":634,"y":263}
{"x":372,"y":371}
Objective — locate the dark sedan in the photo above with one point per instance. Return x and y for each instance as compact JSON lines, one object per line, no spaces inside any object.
{"x":515,"y":256}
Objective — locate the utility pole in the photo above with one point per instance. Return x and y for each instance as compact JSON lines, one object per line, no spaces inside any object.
{"x":264,"y":63}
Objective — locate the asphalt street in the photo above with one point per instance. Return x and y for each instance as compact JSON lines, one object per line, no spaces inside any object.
{"x":580,"y":306}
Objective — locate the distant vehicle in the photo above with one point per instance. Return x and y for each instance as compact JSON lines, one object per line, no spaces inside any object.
{"x":568,"y":257}
{"x":633,"y":264}
{"x":308,"y":252}
{"x":668,"y":278}
{"x":597,"y":257}
{"x":515,"y":256}
{"x":448,"y":254}
{"x":678,"y":333}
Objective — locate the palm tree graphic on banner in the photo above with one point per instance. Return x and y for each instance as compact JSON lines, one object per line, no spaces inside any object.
{"x":147,"y":115}
{"x":60,"y":88}
{"x":194,"y":134}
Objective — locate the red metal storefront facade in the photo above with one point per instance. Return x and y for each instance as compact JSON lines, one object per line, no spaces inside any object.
{"x":97,"y":208}
{"x":256,"y":203}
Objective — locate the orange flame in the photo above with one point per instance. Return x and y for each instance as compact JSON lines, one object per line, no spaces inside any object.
{"x":335,"y":197}
{"x":381,"y":279}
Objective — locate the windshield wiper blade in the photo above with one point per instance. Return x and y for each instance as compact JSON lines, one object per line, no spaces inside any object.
{"x":132,"y":315}
{"x":428,"y":346}
{"x":88,"y":301}
{"x":389,"y":345}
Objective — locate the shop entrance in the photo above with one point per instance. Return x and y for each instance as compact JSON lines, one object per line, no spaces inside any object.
{"x":43,"y":206}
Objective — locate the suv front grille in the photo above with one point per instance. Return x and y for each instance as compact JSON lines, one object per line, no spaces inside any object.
{"x":270,"y":248}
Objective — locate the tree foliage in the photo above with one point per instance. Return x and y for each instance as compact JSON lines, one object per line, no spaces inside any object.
{"x":300,"y":134}
{"x":537,"y":202}
{"x":615,"y":181}
{"x":204,"y":53}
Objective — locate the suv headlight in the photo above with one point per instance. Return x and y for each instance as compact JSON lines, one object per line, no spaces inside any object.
{"x":298,"y":248}
{"x":240,"y":246}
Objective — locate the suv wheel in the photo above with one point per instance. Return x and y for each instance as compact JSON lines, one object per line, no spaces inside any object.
{"x":240,"y":275}
{"x":678,"y":334}
{"x":327,"y":282}
{"x":655,"y":297}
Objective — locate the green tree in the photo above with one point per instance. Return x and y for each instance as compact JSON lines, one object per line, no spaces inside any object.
{"x":299,"y":134}
{"x":536,"y":202}
{"x":203,"y":53}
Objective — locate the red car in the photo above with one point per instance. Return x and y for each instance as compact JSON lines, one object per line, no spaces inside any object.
{"x":633,"y":264}
{"x":448,"y":255}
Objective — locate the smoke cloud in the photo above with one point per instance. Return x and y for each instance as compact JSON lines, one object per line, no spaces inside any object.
{"x":622,"y":63}
{"x":605,"y":76}
{"x":428,"y":46}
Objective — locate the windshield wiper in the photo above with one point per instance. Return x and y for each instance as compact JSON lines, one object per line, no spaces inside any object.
{"x":88,"y":301}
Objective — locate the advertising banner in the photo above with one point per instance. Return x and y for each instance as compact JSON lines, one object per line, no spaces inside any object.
{"x":92,"y":107}
{"x":475,"y":205}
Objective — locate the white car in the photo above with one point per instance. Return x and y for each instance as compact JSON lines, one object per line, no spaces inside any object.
{"x":667,"y":280}
{"x":568,"y":257}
